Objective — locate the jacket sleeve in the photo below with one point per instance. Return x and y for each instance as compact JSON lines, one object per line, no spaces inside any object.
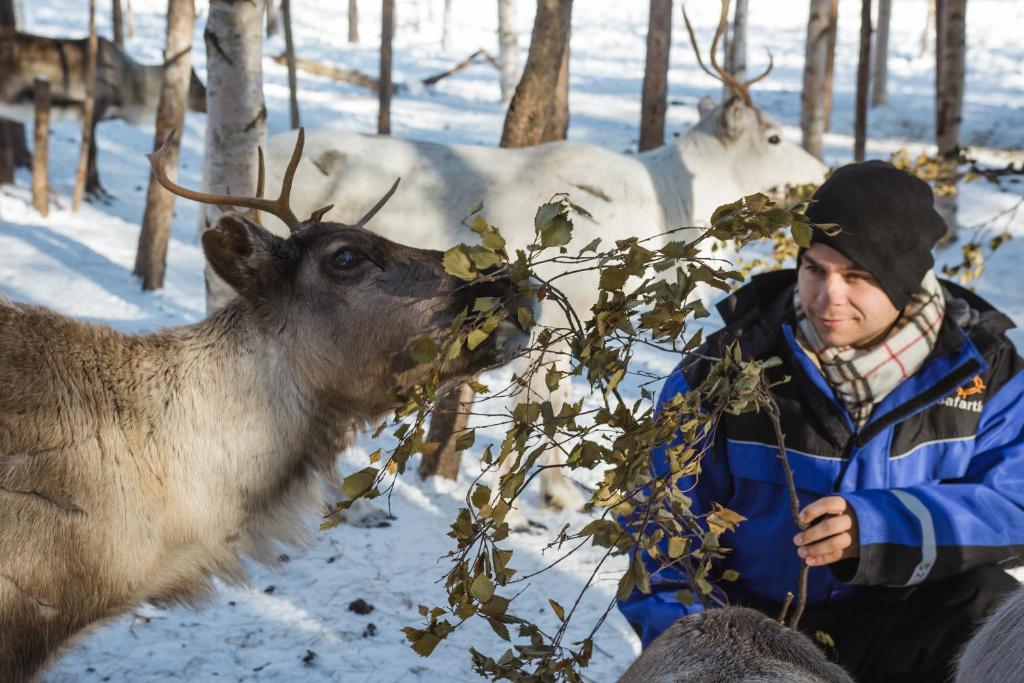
{"x":650,"y":615}
{"x":939,"y":529}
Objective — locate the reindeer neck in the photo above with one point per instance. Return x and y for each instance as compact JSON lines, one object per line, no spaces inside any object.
{"x":671,"y":178}
{"x":140,"y":92}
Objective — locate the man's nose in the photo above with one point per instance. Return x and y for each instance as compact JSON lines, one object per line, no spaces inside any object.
{"x":833,"y":293}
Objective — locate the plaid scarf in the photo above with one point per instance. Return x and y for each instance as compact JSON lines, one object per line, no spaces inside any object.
{"x":862,"y":377}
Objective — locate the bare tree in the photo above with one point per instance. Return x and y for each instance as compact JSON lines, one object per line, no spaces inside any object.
{"x":830,"y":61}
{"x":273,"y":19}
{"x":508,"y":48}
{"x":812,"y":100}
{"x":236,"y":113}
{"x":736,"y":47}
{"x":151,"y":256}
{"x":41,"y":147}
{"x":950,"y":67}
{"x":557,"y":125}
{"x":860,"y":121}
{"x":289,"y":51}
{"x":88,"y":109}
{"x":118,"y":21}
{"x":880,"y":71}
{"x":446,"y":25}
{"x":531,"y":105}
{"x":655,"y":89}
{"x":929,"y":27}
{"x":353,"y":21}
{"x":387,"y":32}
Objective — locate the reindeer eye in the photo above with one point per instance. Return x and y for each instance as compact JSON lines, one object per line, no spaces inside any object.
{"x":345,"y":258}
{"x":774,"y":140}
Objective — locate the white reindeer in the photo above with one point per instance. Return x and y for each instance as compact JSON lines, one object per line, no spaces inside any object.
{"x":733,"y":151}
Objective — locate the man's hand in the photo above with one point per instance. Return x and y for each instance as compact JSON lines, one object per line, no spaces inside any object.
{"x":833,"y":538}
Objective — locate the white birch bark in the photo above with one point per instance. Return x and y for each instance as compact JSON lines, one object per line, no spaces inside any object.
{"x":880,"y":70}
{"x":736,"y":47}
{"x":812,"y":100}
{"x":446,"y":25}
{"x":508,"y":48}
{"x":236,"y":112}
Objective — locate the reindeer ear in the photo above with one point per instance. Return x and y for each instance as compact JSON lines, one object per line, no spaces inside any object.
{"x":244,"y":254}
{"x":706,"y":106}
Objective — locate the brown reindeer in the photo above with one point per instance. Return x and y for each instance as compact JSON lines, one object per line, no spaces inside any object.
{"x":125,"y":89}
{"x":137,"y":468}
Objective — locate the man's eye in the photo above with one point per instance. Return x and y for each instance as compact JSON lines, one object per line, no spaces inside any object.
{"x":344,"y":259}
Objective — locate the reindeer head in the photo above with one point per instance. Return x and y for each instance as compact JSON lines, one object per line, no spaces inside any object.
{"x":342,"y":304}
{"x":745,"y":144}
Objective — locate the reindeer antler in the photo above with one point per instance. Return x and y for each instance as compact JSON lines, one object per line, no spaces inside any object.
{"x":720,"y":74}
{"x":276,"y":207}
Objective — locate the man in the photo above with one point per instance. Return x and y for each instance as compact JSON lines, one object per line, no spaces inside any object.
{"x":904,"y":425}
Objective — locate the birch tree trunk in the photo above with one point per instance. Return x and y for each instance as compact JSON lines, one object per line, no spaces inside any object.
{"x":653,"y":101}
{"x":289,"y":51}
{"x":273,"y":21}
{"x":88,"y":108}
{"x":736,"y":47}
{"x":860,"y":121}
{"x":151,"y":256}
{"x":446,"y":25}
{"x":353,"y":21}
{"x":830,"y":61}
{"x":508,"y":48}
{"x":929,"y":27}
{"x":387,"y":32}
{"x":118,"y":21}
{"x":880,"y":71}
{"x":950,"y":55}
{"x":812,"y":99}
{"x":530,"y":109}
{"x":236,"y":121}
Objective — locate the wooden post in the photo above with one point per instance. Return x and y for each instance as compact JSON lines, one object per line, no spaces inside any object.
{"x":860,"y":122}
{"x":87,"y":111}
{"x":653,"y":102}
{"x":387,"y":32}
{"x":41,"y":147}
{"x":353,"y":21}
{"x":880,"y":75}
{"x":950,"y":67}
{"x":289,"y":51}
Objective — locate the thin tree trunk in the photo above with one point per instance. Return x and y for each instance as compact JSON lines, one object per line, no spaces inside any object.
{"x":447,"y":423}
{"x":8,"y":15}
{"x":13,"y":150}
{"x":289,"y":51}
{"x":151,"y":256}
{"x":557,"y":125}
{"x":387,"y":32}
{"x":929,"y":26}
{"x":530,"y":108}
{"x":508,"y":48}
{"x":353,"y":21}
{"x":860,"y":122}
{"x":830,"y":61}
{"x":736,"y":47}
{"x":446,"y":25}
{"x":880,"y":72}
{"x":653,"y":101}
{"x":88,"y":108}
{"x":41,"y":148}
{"x":950,"y":53}
{"x":236,"y":112}
{"x":812,"y":99}
{"x":273,"y":19}
{"x":129,"y":20}
{"x":118,"y":21}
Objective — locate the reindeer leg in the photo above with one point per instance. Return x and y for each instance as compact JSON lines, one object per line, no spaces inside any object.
{"x":93,"y":188}
{"x":558,"y":491}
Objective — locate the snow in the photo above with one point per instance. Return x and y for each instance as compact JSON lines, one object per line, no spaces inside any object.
{"x":80,"y":264}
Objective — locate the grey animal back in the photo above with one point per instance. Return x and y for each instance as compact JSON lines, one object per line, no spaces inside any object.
{"x":733,"y":645}
{"x":995,"y":654}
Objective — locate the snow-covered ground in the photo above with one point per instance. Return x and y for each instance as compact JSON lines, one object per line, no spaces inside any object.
{"x":81,"y":264}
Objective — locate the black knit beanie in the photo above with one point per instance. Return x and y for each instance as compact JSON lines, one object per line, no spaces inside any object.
{"x":889,"y":224}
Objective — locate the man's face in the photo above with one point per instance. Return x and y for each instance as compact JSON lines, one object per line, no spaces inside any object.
{"x":843,"y":301}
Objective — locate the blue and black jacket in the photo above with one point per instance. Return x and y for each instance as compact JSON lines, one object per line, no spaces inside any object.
{"x":936,"y":476}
